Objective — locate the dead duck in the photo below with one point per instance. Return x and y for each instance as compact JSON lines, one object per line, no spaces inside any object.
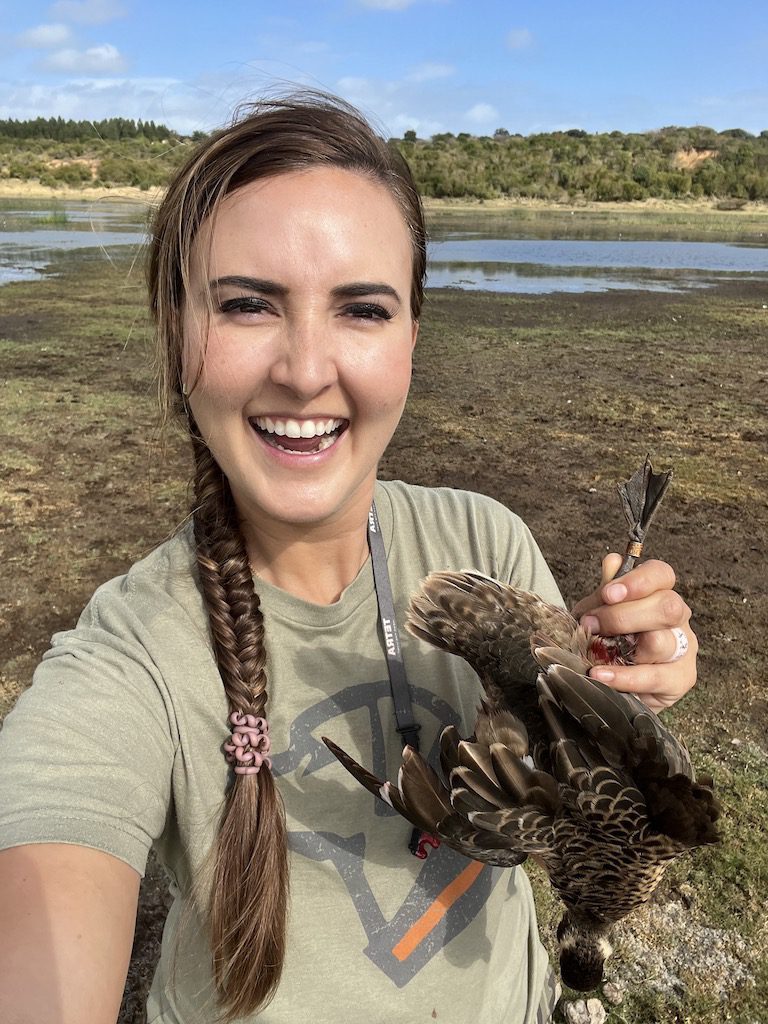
{"x":584,"y":779}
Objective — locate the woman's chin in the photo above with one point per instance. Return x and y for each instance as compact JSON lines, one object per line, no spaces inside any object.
{"x":305,"y":504}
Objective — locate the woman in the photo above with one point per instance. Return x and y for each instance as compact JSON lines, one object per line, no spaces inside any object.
{"x":286,"y":280}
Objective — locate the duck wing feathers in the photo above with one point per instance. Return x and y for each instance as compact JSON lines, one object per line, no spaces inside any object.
{"x":489,"y":625}
{"x":423,"y":800}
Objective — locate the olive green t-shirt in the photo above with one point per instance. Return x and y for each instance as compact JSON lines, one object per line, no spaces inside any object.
{"x":133,"y":715}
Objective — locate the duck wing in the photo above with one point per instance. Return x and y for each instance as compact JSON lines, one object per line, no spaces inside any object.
{"x":489,"y":625}
{"x":422,"y":799}
{"x":616,"y":731}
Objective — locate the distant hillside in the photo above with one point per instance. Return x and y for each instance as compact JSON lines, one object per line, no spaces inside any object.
{"x":670,"y":163}
{"x":558,"y":166}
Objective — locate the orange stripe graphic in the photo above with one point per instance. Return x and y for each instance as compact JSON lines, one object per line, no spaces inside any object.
{"x":437,"y":911}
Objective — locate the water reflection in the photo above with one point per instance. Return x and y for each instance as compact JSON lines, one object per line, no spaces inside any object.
{"x":532,"y":280}
{"x":41,"y":215}
{"x":710,"y":256}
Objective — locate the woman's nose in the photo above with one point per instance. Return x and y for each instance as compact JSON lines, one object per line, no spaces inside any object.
{"x":306,"y":362}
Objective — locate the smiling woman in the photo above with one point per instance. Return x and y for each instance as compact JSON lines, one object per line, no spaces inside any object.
{"x":286,"y":279}
{"x":310,"y":324}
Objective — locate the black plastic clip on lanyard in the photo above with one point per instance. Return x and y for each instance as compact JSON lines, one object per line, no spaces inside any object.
{"x":407,"y":726}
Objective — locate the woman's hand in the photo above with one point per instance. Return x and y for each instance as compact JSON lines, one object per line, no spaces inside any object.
{"x":643,"y":602}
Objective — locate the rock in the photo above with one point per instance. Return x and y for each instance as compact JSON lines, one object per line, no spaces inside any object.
{"x":665,"y":943}
{"x":614,"y":992}
{"x":589,"y":1011}
{"x":687,"y":894}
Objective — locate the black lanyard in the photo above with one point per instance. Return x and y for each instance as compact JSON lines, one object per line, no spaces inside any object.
{"x":406,"y":724}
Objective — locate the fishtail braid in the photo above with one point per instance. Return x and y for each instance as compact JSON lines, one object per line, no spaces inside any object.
{"x":249,"y":895}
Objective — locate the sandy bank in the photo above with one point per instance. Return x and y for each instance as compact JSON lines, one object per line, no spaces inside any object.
{"x":13,"y":188}
{"x":657,"y":206}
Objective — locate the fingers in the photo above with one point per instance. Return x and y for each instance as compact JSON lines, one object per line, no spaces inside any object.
{"x":657,"y":685}
{"x":664,"y":609}
{"x":642,"y":581}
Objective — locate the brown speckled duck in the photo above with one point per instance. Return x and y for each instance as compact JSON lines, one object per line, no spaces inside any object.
{"x":582,"y":778}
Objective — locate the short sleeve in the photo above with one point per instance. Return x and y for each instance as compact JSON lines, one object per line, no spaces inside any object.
{"x":86,"y":755}
{"x":526,"y":567}
{"x":515,"y":556}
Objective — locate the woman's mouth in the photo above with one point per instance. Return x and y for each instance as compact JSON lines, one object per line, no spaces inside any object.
{"x":299,"y":437}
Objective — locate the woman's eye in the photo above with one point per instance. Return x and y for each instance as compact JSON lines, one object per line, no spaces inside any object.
{"x":243,"y":304}
{"x":368,"y":311}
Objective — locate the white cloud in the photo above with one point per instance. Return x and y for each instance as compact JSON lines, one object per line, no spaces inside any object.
{"x":44,"y":37}
{"x":519,"y":39}
{"x":428,"y":72}
{"x":424,"y":127}
{"x":96,"y":60}
{"x":482,"y":114}
{"x":88,"y":12}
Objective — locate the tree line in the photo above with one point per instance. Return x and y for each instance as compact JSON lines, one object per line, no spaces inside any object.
{"x":673,"y":162}
{"x":57,"y":129}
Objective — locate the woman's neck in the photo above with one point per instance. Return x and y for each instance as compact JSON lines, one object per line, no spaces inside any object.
{"x":315,"y":563}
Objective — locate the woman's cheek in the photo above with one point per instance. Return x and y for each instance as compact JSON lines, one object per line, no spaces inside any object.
{"x":228,"y":377}
{"x":392,"y":380}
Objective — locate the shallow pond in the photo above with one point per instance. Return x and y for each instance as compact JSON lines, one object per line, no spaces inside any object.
{"x":508,"y":254}
{"x":577,"y":265}
{"x":33,"y":234}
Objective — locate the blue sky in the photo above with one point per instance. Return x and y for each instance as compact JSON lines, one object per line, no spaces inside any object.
{"x":429,"y":65}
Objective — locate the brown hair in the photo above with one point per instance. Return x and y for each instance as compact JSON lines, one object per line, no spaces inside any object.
{"x":249,"y":893}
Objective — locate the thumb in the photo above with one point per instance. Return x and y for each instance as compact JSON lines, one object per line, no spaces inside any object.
{"x":611,"y":565}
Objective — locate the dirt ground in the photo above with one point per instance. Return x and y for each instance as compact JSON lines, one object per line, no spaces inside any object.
{"x":544,"y":402}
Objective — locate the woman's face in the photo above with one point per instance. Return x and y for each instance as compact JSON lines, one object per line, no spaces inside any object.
{"x":306,"y":356}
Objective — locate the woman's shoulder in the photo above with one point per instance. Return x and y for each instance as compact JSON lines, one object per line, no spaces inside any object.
{"x":163,"y":581}
{"x":449,"y":528}
{"x":448,"y":503}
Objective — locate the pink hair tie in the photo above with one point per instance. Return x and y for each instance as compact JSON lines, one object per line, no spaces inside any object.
{"x":248,"y":748}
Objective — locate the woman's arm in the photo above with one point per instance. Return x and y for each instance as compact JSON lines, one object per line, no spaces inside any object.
{"x":67,"y":917}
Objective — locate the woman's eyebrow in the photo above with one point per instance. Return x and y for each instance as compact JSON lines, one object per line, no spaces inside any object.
{"x":360,"y":288}
{"x":251,"y":284}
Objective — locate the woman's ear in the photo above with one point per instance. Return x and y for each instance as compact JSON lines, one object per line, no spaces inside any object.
{"x":414,"y":334}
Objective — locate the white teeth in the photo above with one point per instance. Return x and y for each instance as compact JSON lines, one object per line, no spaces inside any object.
{"x":292,"y":428}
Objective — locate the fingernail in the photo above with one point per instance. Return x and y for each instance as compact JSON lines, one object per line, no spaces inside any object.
{"x":615,"y":592}
{"x":590,"y":623}
{"x":603,"y":675}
